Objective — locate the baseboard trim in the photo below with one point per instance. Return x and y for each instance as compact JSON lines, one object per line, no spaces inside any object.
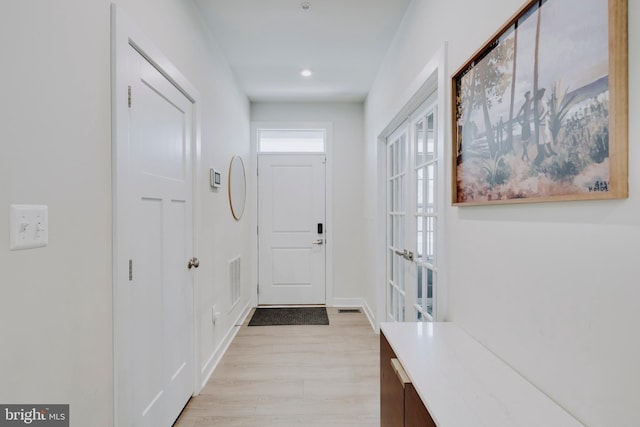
{"x":215,"y":358}
{"x":370,"y":316}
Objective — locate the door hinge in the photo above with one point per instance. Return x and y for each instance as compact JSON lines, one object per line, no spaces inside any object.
{"x":129,"y":96}
{"x":130,"y":270}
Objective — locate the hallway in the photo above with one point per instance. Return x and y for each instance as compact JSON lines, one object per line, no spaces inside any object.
{"x":293,"y":376}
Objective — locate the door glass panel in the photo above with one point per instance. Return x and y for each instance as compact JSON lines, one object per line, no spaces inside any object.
{"x":291,"y":141}
{"x":420,"y":148}
{"x":401,"y":273}
{"x":431,"y":277}
{"x":396,"y":273}
{"x":420,"y":190}
{"x":420,"y":287}
{"x":401,"y":194}
{"x":403,"y":154}
{"x":431,"y":140}
{"x":392,"y":302}
{"x":430,"y":189}
{"x":430,"y":240}
{"x":419,"y":238}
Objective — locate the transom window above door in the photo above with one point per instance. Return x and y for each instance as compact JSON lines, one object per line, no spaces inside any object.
{"x":291,"y":141}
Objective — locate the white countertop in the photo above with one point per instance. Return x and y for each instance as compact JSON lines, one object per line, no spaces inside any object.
{"x":463,"y":384}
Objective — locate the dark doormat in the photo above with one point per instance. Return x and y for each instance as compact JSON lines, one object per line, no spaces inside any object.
{"x":289,"y":316}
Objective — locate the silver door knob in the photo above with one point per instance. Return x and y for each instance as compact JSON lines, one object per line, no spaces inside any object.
{"x":193,"y":263}
{"x":318,"y":242}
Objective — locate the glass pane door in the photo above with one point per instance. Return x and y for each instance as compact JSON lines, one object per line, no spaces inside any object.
{"x":413,"y":218}
{"x":425,"y":213}
{"x":397,"y":181}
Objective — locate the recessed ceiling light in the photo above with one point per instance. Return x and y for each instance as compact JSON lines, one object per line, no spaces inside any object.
{"x":305,"y":6}
{"x":306,"y":72}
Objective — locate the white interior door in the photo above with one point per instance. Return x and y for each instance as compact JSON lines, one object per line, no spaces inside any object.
{"x":399,"y":268}
{"x":292,"y":249}
{"x":414,"y":215}
{"x":157,"y":356}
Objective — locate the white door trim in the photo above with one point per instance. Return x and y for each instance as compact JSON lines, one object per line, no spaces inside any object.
{"x":328,"y":127}
{"x":124,"y":35}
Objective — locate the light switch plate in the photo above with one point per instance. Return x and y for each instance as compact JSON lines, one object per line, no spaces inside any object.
{"x":29,"y":226}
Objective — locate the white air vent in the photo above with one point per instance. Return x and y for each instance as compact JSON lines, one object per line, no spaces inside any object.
{"x":234,"y":280}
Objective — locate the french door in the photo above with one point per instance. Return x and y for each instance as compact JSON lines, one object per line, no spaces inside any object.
{"x":413,"y":217}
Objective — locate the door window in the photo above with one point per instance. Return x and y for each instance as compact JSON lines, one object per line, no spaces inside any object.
{"x":291,"y":141}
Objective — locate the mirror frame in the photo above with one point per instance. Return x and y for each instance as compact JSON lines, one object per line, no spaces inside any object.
{"x":237,"y":201}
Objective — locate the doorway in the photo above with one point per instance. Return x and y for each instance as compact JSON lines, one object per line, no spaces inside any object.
{"x":292,"y":220}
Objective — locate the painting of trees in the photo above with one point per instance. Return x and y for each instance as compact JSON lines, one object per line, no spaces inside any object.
{"x":562,"y":117}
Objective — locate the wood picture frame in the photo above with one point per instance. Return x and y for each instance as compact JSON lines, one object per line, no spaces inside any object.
{"x":551,"y":87}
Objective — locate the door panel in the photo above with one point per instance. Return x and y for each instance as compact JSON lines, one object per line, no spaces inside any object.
{"x":160,"y":315}
{"x":291,"y":191}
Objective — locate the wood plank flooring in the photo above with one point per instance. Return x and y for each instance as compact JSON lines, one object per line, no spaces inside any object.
{"x":294,"y":376}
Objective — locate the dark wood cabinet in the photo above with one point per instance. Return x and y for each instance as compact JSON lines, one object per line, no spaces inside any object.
{"x":391,"y":390}
{"x":415,"y":413}
{"x":400,"y":404}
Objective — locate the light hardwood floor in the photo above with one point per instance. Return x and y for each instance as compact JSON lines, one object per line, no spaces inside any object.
{"x":294,"y":376}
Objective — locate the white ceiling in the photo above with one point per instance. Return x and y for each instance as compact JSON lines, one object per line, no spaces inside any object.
{"x":268,"y":43}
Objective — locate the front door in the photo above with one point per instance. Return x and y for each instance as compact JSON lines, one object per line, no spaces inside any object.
{"x":155,"y":306}
{"x":291,"y":228}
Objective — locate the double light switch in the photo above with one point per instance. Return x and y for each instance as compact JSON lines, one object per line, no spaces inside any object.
{"x":29,"y":226}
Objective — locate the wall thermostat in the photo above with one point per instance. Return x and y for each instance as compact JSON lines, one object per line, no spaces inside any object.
{"x":214,"y":178}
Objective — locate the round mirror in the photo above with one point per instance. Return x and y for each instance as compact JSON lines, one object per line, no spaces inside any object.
{"x":237,"y":187}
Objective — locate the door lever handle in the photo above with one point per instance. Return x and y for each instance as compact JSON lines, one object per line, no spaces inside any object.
{"x":408,"y":255}
{"x":318,"y":242}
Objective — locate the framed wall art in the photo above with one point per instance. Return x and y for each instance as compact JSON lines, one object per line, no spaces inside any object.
{"x":540,"y":112}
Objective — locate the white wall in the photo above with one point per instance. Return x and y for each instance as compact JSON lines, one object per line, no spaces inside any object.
{"x":347,"y":121}
{"x":552,"y":289}
{"x":55,"y":149}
